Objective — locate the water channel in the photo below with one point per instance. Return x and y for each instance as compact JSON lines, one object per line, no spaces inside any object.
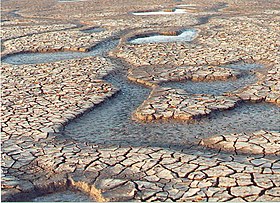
{"x":111,"y":123}
{"x":36,"y":58}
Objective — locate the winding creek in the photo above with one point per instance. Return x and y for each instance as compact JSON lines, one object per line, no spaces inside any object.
{"x":111,"y":123}
{"x":36,"y":58}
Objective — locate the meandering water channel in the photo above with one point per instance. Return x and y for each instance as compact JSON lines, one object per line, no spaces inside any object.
{"x":36,"y":58}
{"x":111,"y":123}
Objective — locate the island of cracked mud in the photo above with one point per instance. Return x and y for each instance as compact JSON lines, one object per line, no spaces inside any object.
{"x":140,"y":100}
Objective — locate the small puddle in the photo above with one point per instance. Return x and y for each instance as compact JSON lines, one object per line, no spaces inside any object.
{"x":161,"y":12}
{"x":36,"y":58}
{"x":184,"y":36}
{"x":65,"y":196}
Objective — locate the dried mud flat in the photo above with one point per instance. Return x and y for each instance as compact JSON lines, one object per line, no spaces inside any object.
{"x":88,"y":116}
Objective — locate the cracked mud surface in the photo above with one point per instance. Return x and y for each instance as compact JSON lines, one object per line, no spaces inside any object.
{"x":70,"y":124}
{"x":260,"y":142}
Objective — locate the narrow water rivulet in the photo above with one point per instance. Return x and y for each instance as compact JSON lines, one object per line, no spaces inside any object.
{"x":111,"y":123}
{"x":36,"y":58}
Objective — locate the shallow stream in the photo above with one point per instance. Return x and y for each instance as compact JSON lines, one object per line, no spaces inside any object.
{"x":110,"y":122}
{"x":36,"y":58}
